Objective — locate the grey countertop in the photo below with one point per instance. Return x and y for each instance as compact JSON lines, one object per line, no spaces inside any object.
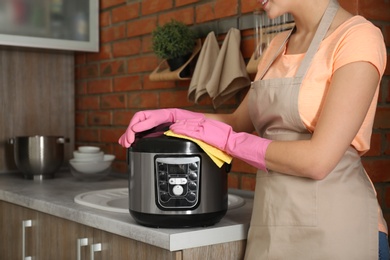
{"x":56,"y":197}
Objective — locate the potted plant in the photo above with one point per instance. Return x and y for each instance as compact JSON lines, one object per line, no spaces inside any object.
{"x":174,"y":42}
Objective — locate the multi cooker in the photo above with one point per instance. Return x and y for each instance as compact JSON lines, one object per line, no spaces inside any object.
{"x":174,"y":183}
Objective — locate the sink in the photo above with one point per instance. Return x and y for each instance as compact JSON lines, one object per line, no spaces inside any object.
{"x":117,"y":200}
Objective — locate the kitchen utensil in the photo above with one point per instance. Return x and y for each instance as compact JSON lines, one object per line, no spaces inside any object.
{"x":173,"y":183}
{"x":90,"y":167}
{"x":38,"y":157}
{"x":89,"y":149}
{"x":80,"y":156}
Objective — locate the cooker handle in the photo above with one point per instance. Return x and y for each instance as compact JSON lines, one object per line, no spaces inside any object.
{"x":11,"y":141}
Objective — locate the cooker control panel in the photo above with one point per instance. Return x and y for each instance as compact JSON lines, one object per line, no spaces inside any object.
{"x":177,"y":182}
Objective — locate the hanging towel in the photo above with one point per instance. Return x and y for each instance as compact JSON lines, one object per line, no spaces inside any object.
{"x":219,"y":157}
{"x":204,"y":68}
{"x":229,"y":74}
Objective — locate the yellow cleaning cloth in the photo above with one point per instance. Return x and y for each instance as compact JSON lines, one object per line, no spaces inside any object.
{"x":219,"y":157}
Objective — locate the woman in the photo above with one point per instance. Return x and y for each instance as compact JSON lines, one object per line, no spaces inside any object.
{"x":312,"y":104}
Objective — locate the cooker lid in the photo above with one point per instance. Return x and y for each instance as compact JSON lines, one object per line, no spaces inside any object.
{"x":154,"y":141}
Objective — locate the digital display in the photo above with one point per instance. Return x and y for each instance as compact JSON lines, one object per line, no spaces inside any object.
{"x":177,"y":169}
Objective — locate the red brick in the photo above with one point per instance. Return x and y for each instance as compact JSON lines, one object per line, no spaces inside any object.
{"x":112,"y":68}
{"x":153,"y":6}
{"x":248,"y":182}
{"x":146,"y":44}
{"x":87,"y":103}
{"x":124,"y":13}
{"x":87,"y":135}
{"x":185,"y":16}
{"x":81,"y":118}
{"x":141,"y":64}
{"x":81,"y":88}
{"x":233,"y":181}
{"x":119,"y":151}
{"x":387,"y":144}
{"x":99,"y":118}
{"x":174,"y":99}
{"x":88,"y":71}
{"x":185,"y":2}
{"x":225,"y":8}
{"x":103,"y":54}
{"x":386,"y":34}
{"x":80,"y":58}
{"x":382,"y":117}
{"x":110,"y":3}
{"x":113,"y":33}
{"x":120,"y":167}
{"x":126,"y":48}
{"x":100,"y":86}
{"x":375,"y":9}
{"x":143,"y":100}
{"x":240,"y":166}
{"x":388,"y":92}
{"x":378,"y":169}
{"x":204,"y":13}
{"x":127,"y":83}
{"x":141,"y":26}
{"x":104,"y":19}
{"x":376,"y":147}
{"x":110,"y":135}
{"x":122,"y":118}
{"x":113,"y":101}
{"x":149,"y":85}
{"x":249,"y":6}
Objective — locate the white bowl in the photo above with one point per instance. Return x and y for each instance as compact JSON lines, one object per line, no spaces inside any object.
{"x":88,"y":156}
{"x":89,"y":149}
{"x":92,"y":166}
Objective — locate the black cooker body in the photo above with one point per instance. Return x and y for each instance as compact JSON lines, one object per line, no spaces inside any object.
{"x":173,"y":183}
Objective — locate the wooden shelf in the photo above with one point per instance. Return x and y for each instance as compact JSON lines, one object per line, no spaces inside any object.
{"x":163,"y":73}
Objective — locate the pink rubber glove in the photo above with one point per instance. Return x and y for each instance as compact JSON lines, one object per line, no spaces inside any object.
{"x":145,"y":120}
{"x":247,"y":147}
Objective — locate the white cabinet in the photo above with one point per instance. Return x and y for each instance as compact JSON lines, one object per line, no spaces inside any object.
{"x":50,"y":24}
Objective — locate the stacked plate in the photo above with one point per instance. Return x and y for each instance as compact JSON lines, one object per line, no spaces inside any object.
{"x":90,"y":163}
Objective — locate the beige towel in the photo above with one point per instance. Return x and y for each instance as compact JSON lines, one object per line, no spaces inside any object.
{"x":229,"y":74}
{"x":204,"y":68}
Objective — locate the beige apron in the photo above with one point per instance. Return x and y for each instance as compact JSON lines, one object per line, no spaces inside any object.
{"x":299,"y":218}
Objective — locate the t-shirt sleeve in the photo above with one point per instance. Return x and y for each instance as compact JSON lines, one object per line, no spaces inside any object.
{"x":363,"y":42}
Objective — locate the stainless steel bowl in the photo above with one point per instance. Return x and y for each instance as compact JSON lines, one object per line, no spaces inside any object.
{"x":38,"y":157}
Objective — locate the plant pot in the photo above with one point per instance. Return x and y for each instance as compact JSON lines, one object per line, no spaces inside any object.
{"x":176,"y":63}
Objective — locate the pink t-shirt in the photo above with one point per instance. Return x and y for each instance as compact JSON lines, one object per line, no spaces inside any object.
{"x":355,"y":40}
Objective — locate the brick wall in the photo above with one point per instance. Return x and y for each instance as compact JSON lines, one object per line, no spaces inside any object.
{"x":113,"y":84}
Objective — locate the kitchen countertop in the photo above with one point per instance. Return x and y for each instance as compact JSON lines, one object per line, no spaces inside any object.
{"x":56,"y":197}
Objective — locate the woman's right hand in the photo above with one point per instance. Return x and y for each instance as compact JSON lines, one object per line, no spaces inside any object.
{"x":147,"y":119}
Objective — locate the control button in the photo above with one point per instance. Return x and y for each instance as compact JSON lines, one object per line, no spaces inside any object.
{"x":174,"y":181}
{"x":192,"y":185}
{"x":162,"y":175}
{"x":193,"y":166}
{"x":193,"y":176}
{"x":191,"y":196}
{"x":164,"y":196}
{"x":163,"y":186}
{"x":177,"y":190}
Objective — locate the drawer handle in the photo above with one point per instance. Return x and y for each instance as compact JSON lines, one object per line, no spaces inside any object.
{"x":95,"y":248}
{"x":81,"y":242}
{"x":26,"y":224}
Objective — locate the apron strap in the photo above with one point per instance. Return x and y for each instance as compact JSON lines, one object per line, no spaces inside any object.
{"x":322,"y":29}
